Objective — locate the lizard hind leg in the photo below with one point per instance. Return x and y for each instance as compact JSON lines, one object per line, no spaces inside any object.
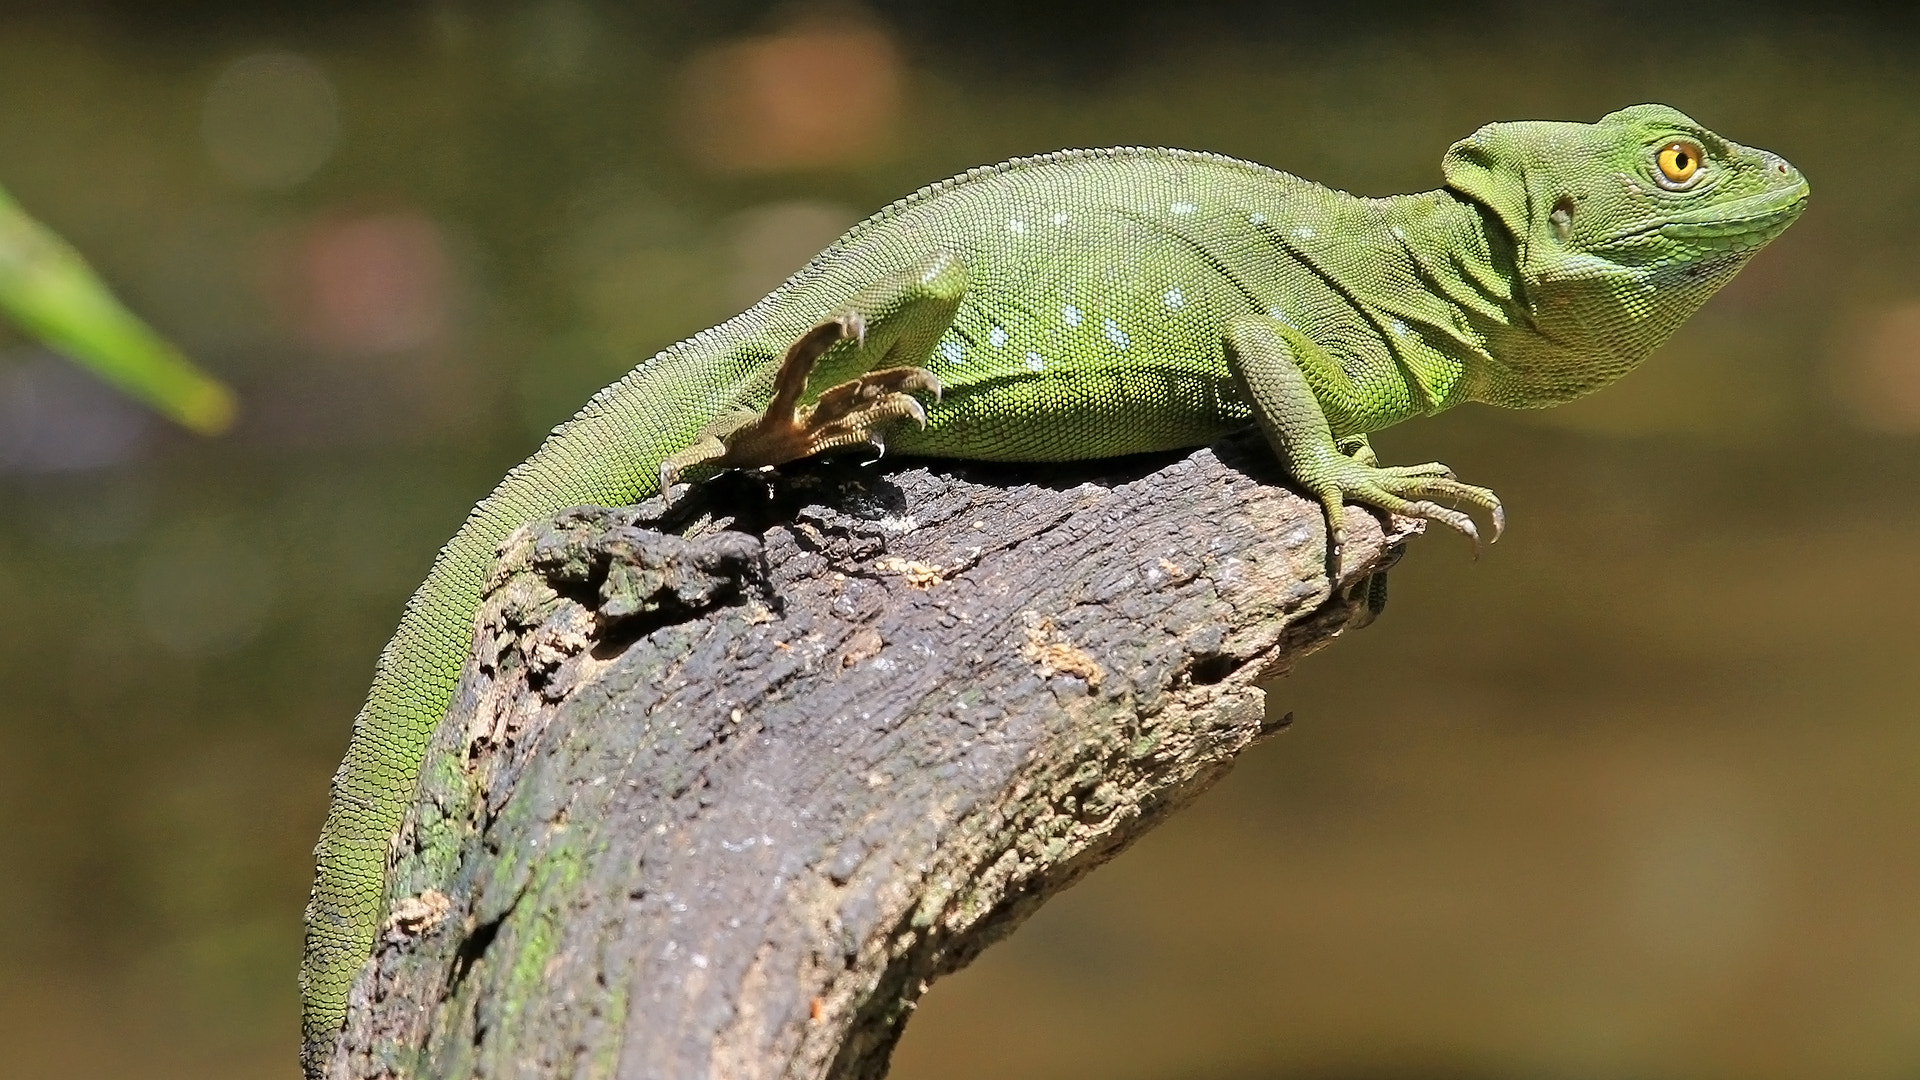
{"x":899,"y":318}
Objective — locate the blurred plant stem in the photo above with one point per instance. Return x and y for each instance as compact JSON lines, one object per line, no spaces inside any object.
{"x":48,"y":288}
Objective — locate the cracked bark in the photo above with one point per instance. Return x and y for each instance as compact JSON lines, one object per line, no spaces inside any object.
{"x":720,"y":796}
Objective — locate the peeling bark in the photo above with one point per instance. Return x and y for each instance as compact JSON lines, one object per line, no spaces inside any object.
{"x":720,"y":796}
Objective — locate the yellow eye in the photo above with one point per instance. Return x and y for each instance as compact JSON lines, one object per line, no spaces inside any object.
{"x":1679,"y":163}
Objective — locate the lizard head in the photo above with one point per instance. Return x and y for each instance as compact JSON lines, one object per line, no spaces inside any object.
{"x":1620,"y":230}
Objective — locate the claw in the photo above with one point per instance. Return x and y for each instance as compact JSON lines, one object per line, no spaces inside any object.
{"x":1453,"y":519}
{"x":1432,"y":470}
{"x":855,"y":324}
{"x":1499,"y":522}
{"x":1465,"y":524}
{"x":1336,"y":533}
{"x":906,"y":380}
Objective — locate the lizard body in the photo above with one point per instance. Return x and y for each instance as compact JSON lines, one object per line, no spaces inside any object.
{"x":1094,"y":303}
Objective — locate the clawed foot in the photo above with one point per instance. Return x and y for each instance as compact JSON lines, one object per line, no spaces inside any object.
{"x":855,"y":412}
{"x":1407,"y":490}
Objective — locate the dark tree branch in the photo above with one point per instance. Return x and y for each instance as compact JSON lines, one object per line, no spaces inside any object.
{"x":721,"y":802}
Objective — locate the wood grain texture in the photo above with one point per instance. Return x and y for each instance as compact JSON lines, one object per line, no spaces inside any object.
{"x":720,"y":796}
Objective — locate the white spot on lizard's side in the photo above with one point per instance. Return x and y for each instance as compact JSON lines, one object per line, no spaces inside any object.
{"x":1399,"y":327}
{"x":1257,"y":218}
{"x":1060,"y":217}
{"x":1035,"y":362}
{"x":1181,"y":208}
{"x":997,"y":336}
{"x":1304,"y":232}
{"x":1016,"y":226}
{"x":1399,"y":233}
{"x":1115,"y":334}
{"x":953,"y":351}
{"x":1174,"y":299}
{"x":1071,"y":314}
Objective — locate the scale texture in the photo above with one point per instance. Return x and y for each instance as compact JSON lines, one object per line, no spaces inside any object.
{"x":1088,"y":304}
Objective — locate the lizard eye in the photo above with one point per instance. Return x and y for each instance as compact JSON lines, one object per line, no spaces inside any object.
{"x":1679,"y":163}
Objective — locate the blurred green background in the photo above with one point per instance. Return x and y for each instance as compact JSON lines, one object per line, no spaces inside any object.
{"x":1637,"y":795}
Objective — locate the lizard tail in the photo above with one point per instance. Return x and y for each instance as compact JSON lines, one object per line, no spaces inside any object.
{"x":608,"y":454}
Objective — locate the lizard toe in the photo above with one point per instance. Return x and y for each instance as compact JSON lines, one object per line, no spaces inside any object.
{"x":1412,"y":491}
{"x":1418,"y":472}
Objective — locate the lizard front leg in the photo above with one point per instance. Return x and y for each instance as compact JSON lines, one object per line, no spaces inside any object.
{"x":1291,"y":385}
{"x":881,"y":333}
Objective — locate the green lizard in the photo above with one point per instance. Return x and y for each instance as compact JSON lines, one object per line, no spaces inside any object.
{"x":1094,"y":303}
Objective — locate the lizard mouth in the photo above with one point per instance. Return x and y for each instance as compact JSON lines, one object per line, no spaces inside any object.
{"x":1767,"y":212}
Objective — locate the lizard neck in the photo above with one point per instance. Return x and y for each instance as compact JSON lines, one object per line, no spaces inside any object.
{"x":1451,"y":274}
{"x":1510,"y":344}
{"x":1536,"y":346}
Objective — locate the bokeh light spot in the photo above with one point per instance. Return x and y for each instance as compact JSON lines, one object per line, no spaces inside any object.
{"x":554,"y":41}
{"x":1698,"y":877}
{"x":374,"y":284}
{"x":1877,"y":371}
{"x":56,"y":418}
{"x":270,"y":119}
{"x":803,"y":99}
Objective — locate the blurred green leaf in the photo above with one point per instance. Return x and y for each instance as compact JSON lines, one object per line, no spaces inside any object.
{"x":48,"y":288}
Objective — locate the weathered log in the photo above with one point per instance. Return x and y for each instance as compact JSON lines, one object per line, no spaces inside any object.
{"x":719,"y":797}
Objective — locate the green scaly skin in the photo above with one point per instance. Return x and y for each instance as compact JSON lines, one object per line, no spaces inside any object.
{"x":1087,"y":304}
